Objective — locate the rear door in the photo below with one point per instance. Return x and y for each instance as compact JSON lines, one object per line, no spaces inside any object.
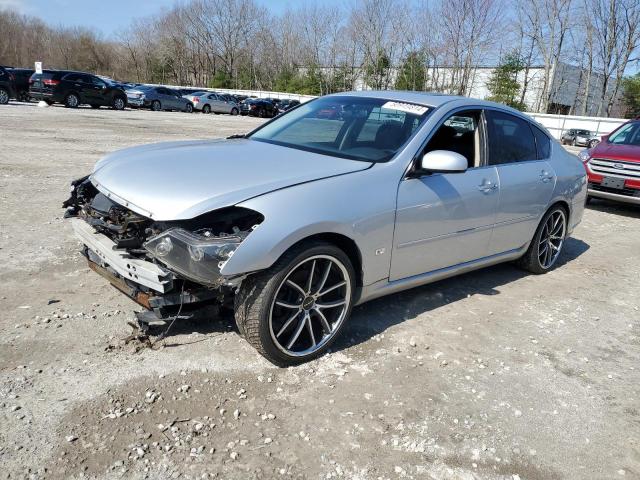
{"x":527,"y":180}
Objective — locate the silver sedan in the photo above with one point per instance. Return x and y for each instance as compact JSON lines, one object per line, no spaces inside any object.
{"x":346,"y":198}
{"x":208,"y":102}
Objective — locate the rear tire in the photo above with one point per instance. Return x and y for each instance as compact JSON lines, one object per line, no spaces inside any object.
{"x":156,"y":106}
{"x":4,"y":96}
{"x":593,"y":143}
{"x":72,"y":100}
{"x":188,"y":108}
{"x":281,"y":304}
{"x":547,"y":243}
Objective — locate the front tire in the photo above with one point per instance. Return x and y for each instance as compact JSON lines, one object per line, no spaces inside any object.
{"x":206,"y":109}
{"x":119,"y":103}
{"x":234,"y":111}
{"x":547,"y":243}
{"x":593,"y":143}
{"x":156,"y":106}
{"x":294,"y":311}
{"x":4,"y":96}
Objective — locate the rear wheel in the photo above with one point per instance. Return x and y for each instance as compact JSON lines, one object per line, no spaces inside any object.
{"x":72,"y":100}
{"x":593,"y":143}
{"x":156,"y":106}
{"x":295,"y":310}
{"x":119,"y":103}
{"x":206,"y":109}
{"x":4,"y":96}
{"x":547,"y":243}
{"x":188,"y":108}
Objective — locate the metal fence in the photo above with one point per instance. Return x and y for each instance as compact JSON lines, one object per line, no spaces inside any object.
{"x":558,"y":124}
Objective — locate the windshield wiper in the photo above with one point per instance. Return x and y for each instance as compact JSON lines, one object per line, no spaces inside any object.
{"x":237,"y":135}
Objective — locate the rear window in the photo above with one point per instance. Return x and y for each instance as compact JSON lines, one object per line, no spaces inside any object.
{"x":543,"y":144}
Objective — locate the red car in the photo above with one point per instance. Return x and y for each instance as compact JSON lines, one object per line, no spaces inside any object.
{"x":613,"y":166}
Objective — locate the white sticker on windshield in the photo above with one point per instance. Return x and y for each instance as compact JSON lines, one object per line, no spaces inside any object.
{"x":406,"y":107}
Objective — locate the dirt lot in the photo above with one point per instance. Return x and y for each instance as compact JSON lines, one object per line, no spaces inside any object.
{"x":493,"y":375}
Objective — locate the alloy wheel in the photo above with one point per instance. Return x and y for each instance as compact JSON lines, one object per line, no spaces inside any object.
{"x":118,"y":103}
{"x":310,"y":305}
{"x":4,"y":96}
{"x":72,"y":101}
{"x":551,"y":239}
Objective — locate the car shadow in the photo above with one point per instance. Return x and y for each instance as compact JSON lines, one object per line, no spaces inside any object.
{"x":617,"y":208}
{"x":375,"y":317}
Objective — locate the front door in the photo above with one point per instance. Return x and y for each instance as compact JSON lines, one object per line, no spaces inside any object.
{"x":446,"y":219}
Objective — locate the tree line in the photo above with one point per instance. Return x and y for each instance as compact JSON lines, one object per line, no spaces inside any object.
{"x":319,"y":49}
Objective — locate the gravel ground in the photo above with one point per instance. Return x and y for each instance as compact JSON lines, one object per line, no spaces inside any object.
{"x":492,"y":375}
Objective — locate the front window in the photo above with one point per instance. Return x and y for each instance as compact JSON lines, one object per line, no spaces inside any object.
{"x":628,"y":134}
{"x":367,"y":129}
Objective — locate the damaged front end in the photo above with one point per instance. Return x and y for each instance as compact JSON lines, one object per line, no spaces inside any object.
{"x":164,"y":266}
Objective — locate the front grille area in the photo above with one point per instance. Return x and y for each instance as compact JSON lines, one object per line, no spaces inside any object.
{"x":615,"y":168}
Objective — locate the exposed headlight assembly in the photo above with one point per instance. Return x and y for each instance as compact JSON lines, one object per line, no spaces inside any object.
{"x":196,"y":257}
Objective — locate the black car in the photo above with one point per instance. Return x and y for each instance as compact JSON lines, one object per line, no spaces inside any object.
{"x":7,"y":86}
{"x":21,"y":82}
{"x":258,"y":107}
{"x":75,"y":88}
{"x":285,"y":105}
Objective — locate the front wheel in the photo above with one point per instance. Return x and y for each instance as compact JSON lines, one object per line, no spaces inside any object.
{"x":294,"y":311}
{"x":206,"y":109}
{"x":234,"y":111}
{"x":593,"y":143}
{"x":156,"y":106}
{"x":545,"y":248}
{"x":119,"y":103}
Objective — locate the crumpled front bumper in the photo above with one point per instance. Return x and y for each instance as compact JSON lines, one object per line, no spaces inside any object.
{"x":135,"y":270}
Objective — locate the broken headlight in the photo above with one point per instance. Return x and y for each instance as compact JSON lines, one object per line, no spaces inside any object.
{"x":197,"y":257}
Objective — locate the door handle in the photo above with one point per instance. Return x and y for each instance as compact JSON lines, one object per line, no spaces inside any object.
{"x":487,"y":186}
{"x":545,"y":176}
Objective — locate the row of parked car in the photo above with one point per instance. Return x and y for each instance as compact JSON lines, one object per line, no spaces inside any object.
{"x":73,"y":89}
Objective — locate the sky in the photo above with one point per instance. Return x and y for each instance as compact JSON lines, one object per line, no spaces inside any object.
{"x":106,"y":16}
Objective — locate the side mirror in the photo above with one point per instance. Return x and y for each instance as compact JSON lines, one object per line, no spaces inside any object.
{"x":443,"y":161}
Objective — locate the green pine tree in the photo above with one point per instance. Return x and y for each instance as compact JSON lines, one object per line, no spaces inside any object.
{"x":412,"y":73}
{"x":631,"y":95}
{"x":503,"y":84}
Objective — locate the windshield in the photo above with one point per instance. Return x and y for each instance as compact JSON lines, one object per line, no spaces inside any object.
{"x":583,"y":132}
{"x":366,"y":129}
{"x":629,"y":134}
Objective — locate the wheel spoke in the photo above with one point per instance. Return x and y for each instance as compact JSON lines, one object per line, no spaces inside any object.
{"x":287,"y":305}
{"x":310,"y":329}
{"x":325,"y":276}
{"x":296,"y":334}
{"x":331,"y":289}
{"x":323,"y":321}
{"x":310,"y":282}
{"x":287,"y":323}
{"x":331,"y":304}
{"x":297,"y":287}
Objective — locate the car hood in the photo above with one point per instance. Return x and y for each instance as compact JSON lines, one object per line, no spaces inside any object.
{"x":181,"y":180}
{"x":627,"y":153}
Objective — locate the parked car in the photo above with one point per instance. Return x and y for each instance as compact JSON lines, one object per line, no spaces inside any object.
{"x":208,"y":102}
{"x":160,"y":98}
{"x":21,"y":82}
{"x":303,"y":218}
{"x":258,"y":107}
{"x":7,"y":86}
{"x":613,"y":165}
{"x":189,"y":91}
{"x":286,"y":105}
{"x":135,"y":95}
{"x":74,"y":89}
{"x":580,"y":138}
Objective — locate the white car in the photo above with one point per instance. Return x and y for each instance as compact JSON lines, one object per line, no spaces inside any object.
{"x":208,"y":102}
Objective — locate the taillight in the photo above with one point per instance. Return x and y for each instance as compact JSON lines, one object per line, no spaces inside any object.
{"x":51,"y":82}
{"x":252,"y":107}
{"x":196,"y":99}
